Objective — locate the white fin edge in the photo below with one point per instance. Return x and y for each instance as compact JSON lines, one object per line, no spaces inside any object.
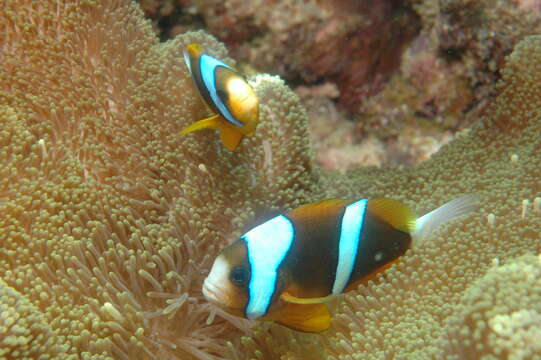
{"x":187,"y":60}
{"x":427,"y":223}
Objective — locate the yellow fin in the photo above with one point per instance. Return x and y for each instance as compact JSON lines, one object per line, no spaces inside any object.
{"x":194,"y":48}
{"x":313,"y":213}
{"x":296,"y":300}
{"x":308,"y":318}
{"x":394,"y":213}
{"x":212,"y":122}
{"x":230,"y":137}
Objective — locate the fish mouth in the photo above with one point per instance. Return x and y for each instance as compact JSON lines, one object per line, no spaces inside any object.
{"x":214,"y":294}
{"x":218,"y":297}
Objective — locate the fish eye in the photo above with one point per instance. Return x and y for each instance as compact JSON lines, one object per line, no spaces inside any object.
{"x":238,"y":275}
{"x":222,"y":95}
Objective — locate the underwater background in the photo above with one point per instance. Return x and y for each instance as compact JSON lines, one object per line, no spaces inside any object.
{"x":109,"y":220}
{"x":384,"y":82}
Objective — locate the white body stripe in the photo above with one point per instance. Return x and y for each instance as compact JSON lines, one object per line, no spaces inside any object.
{"x":348,"y":246}
{"x":267,"y":246}
{"x":207,"y":66}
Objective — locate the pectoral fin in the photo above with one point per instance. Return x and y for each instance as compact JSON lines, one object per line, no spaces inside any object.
{"x":229,"y":135}
{"x":212,"y":122}
{"x":308,"y":318}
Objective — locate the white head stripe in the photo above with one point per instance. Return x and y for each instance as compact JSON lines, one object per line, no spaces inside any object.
{"x":348,"y":244}
{"x":267,"y":246}
{"x":208,"y":66}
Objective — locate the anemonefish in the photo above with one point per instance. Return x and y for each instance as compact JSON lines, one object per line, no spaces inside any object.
{"x":287,"y":268}
{"x":228,"y":95}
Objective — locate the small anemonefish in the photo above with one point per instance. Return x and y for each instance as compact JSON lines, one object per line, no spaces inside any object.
{"x":285,"y":269}
{"x":227,"y":93}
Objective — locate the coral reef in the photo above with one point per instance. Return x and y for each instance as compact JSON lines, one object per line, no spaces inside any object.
{"x":448,"y":73}
{"x":109,"y":220}
{"x":354,"y":44}
{"x":466,"y":41}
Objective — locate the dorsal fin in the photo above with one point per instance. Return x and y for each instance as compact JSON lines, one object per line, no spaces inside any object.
{"x":315,"y":211}
{"x":394,"y":213}
{"x":194,"y":49}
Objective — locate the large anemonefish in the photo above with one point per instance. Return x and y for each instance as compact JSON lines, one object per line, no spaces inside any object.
{"x":227,"y":93}
{"x":285,"y":269}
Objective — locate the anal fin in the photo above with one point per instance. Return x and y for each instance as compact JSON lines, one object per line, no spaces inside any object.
{"x":230,"y":137}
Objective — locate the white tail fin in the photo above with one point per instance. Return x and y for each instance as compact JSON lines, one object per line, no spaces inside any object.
{"x":426,"y":224}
